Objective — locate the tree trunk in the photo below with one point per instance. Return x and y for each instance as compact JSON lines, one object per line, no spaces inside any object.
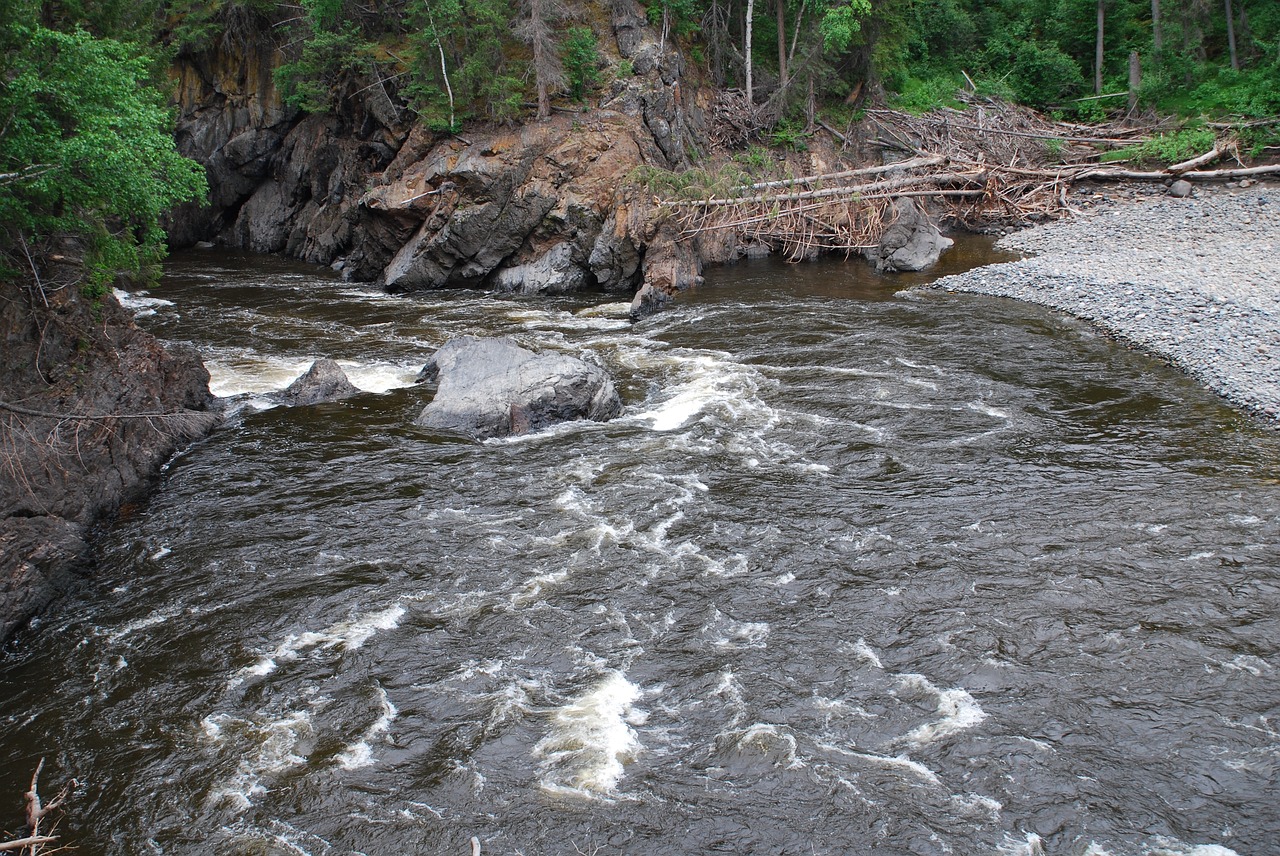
{"x":1157,"y":34}
{"x":1097,"y":51}
{"x":1135,"y":79}
{"x":751,"y":11}
{"x":782,"y":43}
{"x":539,"y":60}
{"x":1231,"y":37}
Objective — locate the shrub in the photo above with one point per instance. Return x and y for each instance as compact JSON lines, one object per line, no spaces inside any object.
{"x":581,"y":60}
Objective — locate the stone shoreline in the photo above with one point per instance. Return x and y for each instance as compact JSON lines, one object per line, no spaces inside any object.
{"x":1195,"y":281}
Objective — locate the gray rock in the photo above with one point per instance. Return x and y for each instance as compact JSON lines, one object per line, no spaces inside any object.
{"x":555,"y":272}
{"x":495,"y":388}
{"x":1180,"y":189}
{"x":913,"y":242}
{"x":325,"y":381}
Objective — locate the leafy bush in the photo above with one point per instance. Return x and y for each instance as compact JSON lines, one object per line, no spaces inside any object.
{"x":87,"y":148}
{"x":1167,"y":148}
{"x":1039,"y":74}
{"x":581,"y":60}
{"x":312,"y":82}
{"x":920,"y":95}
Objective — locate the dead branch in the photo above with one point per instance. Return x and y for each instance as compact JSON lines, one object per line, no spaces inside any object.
{"x":994,"y":163}
{"x":1200,"y":160}
{"x":30,"y":841}
{"x":36,"y":812}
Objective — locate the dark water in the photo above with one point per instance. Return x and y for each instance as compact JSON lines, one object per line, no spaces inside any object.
{"x":856,"y":573}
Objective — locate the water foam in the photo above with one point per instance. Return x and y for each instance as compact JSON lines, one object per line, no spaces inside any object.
{"x":276,"y":742}
{"x":726,"y":632}
{"x":139,"y":303}
{"x":360,"y":753}
{"x":345,"y":635}
{"x":590,"y":740}
{"x":958,"y":709}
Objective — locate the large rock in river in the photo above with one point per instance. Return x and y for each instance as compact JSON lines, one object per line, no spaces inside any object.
{"x":325,"y":381}
{"x":494,"y":388}
{"x":912,"y":242}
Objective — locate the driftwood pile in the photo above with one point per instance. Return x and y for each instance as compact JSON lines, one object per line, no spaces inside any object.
{"x":991,"y":164}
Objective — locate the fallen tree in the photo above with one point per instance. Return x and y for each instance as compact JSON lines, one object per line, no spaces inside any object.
{"x":993,"y":164}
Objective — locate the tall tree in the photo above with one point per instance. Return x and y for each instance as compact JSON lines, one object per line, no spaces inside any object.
{"x":746,"y":49}
{"x":782,"y":43}
{"x":1157,"y":32}
{"x":537,"y":30}
{"x":1231,"y":37}
{"x":1097,"y":50}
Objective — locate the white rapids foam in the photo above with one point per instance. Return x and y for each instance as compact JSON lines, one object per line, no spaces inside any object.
{"x":710,"y":379}
{"x":250,"y":373}
{"x":958,"y":711}
{"x":139,"y":303}
{"x":276,"y":741}
{"x":725,"y":632}
{"x":347,"y":635}
{"x":360,"y":753}
{"x":590,"y":740}
{"x":1172,"y":847}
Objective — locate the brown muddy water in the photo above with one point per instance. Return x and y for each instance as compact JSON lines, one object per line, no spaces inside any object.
{"x":856,"y":572}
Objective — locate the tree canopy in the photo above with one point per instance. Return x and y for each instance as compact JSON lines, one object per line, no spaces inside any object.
{"x":86,"y":146}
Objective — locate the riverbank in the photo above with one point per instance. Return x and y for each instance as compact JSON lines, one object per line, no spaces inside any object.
{"x":1195,"y":281}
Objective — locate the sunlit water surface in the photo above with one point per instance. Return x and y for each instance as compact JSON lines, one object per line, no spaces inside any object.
{"x":856,"y":572}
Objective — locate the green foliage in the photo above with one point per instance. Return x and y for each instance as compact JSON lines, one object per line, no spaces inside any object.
{"x":682,"y":16}
{"x":626,"y":68}
{"x":86,"y":148}
{"x":690,"y":184}
{"x":840,"y":21}
{"x":313,"y":82}
{"x":1039,"y":74}
{"x":790,"y":134}
{"x":476,"y":38}
{"x":581,"y":61}
{"x":922,"y":95}
{"x":1167,"y":149}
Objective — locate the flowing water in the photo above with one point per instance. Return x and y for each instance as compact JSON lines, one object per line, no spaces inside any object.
{"x":856,"y":572}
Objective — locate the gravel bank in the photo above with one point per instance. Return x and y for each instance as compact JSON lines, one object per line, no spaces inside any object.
{"x":1196,"y":281}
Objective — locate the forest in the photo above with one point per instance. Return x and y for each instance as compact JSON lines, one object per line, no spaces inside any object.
{"x":84,"y":146}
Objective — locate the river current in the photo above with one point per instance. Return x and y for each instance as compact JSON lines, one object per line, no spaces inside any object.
{"x":858,"y":571}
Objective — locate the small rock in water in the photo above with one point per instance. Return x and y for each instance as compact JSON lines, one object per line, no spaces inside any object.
{"x":324,"y":381}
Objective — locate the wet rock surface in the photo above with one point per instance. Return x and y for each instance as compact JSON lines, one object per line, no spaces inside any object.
{"x":1194,"y":280}
{"x":495,"y":388}
{"x":911,"y":243}
{"x":90,"y":408}
{"x":324,"y":382}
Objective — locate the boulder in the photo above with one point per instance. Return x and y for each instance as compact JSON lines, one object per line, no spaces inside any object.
{"x":325,"y":381}
{"x":913,"y":242}
{"x":495,"y":388}
{"x":555,"y":272}
{"x":1180,"y":188}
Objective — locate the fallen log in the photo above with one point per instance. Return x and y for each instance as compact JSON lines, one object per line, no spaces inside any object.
{"x":1103,"y":174}
{"x":1200,"y":160}
{"x":852,"y":190}
{"x":914,"y":163}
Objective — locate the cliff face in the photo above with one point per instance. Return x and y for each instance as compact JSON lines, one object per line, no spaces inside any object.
{"x":90,"y":408}
{"x":537,"y":208}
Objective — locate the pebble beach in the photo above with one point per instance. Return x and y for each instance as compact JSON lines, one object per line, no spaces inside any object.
{"x":1195,"y":281}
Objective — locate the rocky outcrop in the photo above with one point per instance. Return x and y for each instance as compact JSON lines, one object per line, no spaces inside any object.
{"x":912,"y":242}
{"x":324,"y":382}
{"x":540,"y":208}
{"x":495,"y":388}
{"x":90,"y":408}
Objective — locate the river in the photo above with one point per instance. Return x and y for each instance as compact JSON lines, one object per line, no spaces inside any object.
{"x":858,"y":571}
